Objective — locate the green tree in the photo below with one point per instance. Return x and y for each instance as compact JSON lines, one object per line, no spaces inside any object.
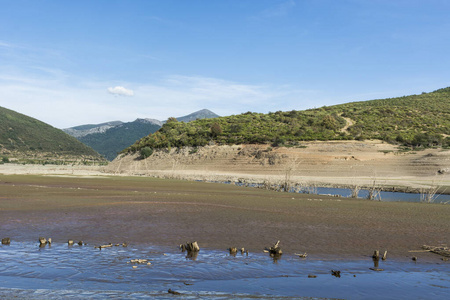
{"x":146,"y":152}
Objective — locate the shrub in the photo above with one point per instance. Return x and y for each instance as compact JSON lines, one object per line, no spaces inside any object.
{"x":146,"y":152}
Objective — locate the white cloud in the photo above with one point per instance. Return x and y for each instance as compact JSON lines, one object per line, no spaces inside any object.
{"x":121,"y":91}
{"x":69,"y":101}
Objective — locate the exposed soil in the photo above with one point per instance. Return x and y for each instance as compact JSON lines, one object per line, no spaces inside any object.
{"x":337,"y":163}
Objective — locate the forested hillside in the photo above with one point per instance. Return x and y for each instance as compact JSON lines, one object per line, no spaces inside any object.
{"x":415,"y":121}
{"x":20,"y":133}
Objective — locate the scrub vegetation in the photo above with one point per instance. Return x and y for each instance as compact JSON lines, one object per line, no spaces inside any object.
{"x":415,"y":122}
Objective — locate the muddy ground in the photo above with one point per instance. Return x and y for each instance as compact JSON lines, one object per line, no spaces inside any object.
{"x":144,"y":210}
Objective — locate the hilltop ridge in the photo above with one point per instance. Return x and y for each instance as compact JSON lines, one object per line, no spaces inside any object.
{"x":412,"y":121}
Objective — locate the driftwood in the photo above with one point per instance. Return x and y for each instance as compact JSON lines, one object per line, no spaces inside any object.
{"x":103,"y":246}
{"x":170,"y":291}
{"x":6,"y":241}
{"x":444,"y":251}
{"x":304,"y":255}
{"x":275,"y":250}
{"x":384,"y":257}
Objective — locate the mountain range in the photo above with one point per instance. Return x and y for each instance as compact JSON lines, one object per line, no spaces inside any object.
{"x":110,"y":138}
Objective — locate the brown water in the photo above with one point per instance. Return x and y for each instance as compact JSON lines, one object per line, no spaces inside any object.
{"x":62,"y":271}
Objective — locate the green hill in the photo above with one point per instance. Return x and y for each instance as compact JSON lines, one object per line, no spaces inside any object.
{"x":117,"y":138}
{"x":24,"y":136}
{"x":413,"y":121}
{"x":110,"y":138}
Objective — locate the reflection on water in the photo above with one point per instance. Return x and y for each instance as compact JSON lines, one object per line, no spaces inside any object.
{"x":59,"y":271}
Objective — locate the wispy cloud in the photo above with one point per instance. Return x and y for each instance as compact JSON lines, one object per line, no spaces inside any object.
{"x":68,"y":101}
{"x":120,"y":91}
{"x":279,"y":10}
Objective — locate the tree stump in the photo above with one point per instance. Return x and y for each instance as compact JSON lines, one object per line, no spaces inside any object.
{"x":275,"y":250}
{"x":6,"y":241}
{"x":233,"y":250}
{"x":376,"y":255}
{"x":190,"y":247}
{"x":42,"y":240}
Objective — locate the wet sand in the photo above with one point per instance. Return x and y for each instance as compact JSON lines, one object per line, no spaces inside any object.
{"x":153,"y":211}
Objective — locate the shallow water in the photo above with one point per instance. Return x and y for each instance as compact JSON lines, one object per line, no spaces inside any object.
{"x":62,"y":271}
{"x":383,"y":196}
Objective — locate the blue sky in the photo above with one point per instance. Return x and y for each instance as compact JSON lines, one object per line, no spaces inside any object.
{"x":69,"y":63}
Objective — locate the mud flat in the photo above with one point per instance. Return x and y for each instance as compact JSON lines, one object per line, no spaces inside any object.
{"x":142,"y":210}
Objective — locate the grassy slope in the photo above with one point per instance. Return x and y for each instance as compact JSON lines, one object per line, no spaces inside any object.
{"x":417,"y":120}
{"x":23,"y":134}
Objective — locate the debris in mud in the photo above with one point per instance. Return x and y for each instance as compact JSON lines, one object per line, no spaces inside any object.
{"x":140,"y":261}
{"x":103,"y":246}
{"x":6,"y":241}
{"x":170,"y":291}
{"x":190,"y":247}
{"x":70,"y":242}
{"x":304,"y":255}
{"x":233,"y":250}
{"x":443,"y":250}
{"x":275,"y":250}
{"x":312,"y":276}
{"x":43,"y":241}
{"x":336,"y":273}
{"x":414,"y":258}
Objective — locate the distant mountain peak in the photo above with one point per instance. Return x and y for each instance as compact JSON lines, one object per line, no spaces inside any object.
{"x":200,"y":114}
{"x":112,"y":137}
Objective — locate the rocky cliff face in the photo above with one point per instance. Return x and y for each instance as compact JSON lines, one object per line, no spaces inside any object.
{"x":81,"y":131}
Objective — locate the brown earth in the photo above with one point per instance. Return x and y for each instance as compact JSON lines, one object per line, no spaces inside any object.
{"x":144,"y":210}
{"x":336,"y":163}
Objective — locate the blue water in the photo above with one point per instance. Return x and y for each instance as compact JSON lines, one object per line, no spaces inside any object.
{"x":61,"y":272}
{"x":383,"y":196}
